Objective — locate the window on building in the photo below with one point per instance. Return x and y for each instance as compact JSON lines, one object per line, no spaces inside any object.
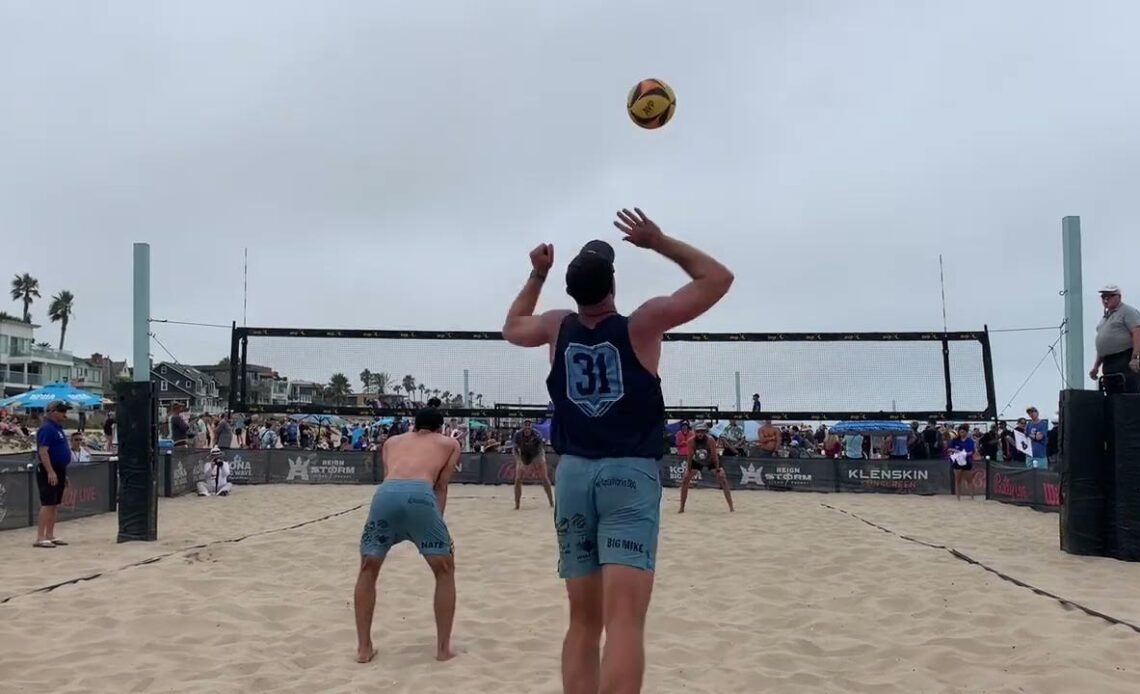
{"x":162,"y":386}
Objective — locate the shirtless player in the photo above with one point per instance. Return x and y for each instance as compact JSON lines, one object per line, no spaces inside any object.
{"x":703,"y":456}
{"x":609,"y":427}
{"x":409,"y":505}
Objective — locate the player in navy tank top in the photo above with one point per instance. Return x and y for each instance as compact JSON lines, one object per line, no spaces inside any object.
{"x":608,"y":425}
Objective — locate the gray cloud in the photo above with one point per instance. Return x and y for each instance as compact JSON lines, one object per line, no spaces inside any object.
{"x":391,"y":166}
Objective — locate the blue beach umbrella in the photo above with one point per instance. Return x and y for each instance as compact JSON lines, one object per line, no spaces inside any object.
{"x":42,"y":397}
{"x":871,"y":428}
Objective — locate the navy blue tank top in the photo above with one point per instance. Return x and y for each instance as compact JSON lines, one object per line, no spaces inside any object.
{"x":606,"y":404}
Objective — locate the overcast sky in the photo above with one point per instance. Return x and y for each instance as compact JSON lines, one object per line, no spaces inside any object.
{"x":389,"y":165}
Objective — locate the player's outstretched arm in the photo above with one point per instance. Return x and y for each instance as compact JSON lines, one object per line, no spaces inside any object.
{"x":710,"y":279}
{"x":522,"y":327}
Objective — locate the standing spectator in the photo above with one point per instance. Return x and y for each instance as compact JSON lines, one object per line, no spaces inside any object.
{"x":755,"y":402}
{"x":1016,"y":454}
{"x":899,"y":447}
{"x":179,"y":427}
{"x":1038,"y":431}
{"x":918,"y":448}
{"x":269,"y":437}
{"x":853,"y":446}
{"x":935,"y":441}
{"x":681,"y":440}
{"x":769,"y":437}
{"x":832,"y":446}
{"x":963,"y":453}
{"x":224,"y":432}
{"x":988,"y":444}
{"x":51,"y":471}
{"x":109,"y":432}
{"x":1117,"y":344}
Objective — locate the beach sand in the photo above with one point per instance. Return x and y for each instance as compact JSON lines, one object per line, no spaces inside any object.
{"x":785,"y":595}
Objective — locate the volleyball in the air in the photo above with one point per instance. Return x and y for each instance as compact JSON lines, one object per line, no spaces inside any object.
{"x":651,"y":103}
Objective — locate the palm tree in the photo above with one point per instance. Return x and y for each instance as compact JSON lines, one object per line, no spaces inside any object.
{"x":445,"y":396}
{"x":423,"y":390}
{"x":381,"y":379}
{"x":224,"y":361}
{"x":409,"y":383}
{"x":366,"y":378}
{"x":397,"y":388}
{"x":479,"y":399}
{"x":60,"y":310}
{"x":435,"y":392}
{"x":25,"y":288}
{"x":339,"y":387}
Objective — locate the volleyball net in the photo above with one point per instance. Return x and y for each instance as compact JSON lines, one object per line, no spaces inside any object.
{"x":796,"y":376}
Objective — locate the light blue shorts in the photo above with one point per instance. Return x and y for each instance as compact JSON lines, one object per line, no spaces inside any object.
{"x":606,"y":511}
{"x":405,"y":510}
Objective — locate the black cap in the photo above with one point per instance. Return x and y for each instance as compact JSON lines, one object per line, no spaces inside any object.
{"x":590,"y":275}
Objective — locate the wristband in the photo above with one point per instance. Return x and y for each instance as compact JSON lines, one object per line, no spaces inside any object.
{"x":536,"y":275}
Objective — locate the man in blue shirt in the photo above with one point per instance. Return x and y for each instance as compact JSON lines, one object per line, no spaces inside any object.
{"x":53,"y":455}
{"x":1038,"y":431}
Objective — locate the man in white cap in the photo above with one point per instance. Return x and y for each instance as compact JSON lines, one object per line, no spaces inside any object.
{"x":217,"y":476}
{"x":1117,"y":344}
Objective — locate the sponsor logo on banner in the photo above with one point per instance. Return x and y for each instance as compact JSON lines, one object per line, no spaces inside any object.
{"x":677,"y":473}
{"x":751,"y":474}
{"x":783,"y":475}
{"x":74,"y":496}
{"x":240,"y":469}
{"x":312,"y":469}
{"x":1050,"y":492}
{"x":3,"y":503}
{"x":889,"y":478}
{"x":178,"y":476}
{"x":1005,"y":486}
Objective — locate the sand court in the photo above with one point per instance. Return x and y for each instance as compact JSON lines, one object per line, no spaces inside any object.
{"x":785,"y":595}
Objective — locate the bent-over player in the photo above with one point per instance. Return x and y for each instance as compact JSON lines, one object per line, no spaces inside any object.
{"x":530,"y":449}
{"x":409,"y":505}
{"x":703,"y":456}
{"x":608,"y":425}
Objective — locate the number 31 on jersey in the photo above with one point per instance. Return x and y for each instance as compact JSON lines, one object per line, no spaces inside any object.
{"x":593,"y":377}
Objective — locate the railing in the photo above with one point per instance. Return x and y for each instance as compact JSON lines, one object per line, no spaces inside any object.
{"x":35,"y":351}
{"x":19,"y":377}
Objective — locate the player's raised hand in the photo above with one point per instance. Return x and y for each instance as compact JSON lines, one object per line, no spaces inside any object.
{"x":639,"y":230}
{"x":542,"y":258}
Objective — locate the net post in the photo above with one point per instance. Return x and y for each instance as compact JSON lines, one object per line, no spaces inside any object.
{"x":988,"y":368}
{"x":243,"y":373}
{"x":233,"y":366}
{"x":1074,"y":312}
{"x":946,"y":372}
{"x":736,"y":377}
{"x":466,"y":386}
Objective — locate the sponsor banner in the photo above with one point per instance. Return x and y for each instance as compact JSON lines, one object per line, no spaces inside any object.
{"x":499,"y":468}
{"x":469,"y":469}
{"x":88,"y":491}
{"x":185,"y":469}
{"x":249,"y":466}
{"x":14,"y":493}
{"x":320,"y":467}
{"x":782,"y":474}
{"x":894,"y":476}
{"x":1023,"y":486}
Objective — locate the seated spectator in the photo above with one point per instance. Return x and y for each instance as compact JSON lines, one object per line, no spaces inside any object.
{"x":215,"y":475}
{"x":769,"y":440}
{"x":79,"y":451}
{"x":732,"y":439}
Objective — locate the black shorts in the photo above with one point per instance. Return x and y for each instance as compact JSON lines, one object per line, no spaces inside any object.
{"x":528,"y":457}
{"x":709,"y":465}
{"x":51,"y":495}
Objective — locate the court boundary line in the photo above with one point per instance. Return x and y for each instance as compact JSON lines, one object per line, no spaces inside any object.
{"x":962,"y":556}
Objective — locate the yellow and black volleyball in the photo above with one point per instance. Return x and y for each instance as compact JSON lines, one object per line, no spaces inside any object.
{"x":651,"y":103}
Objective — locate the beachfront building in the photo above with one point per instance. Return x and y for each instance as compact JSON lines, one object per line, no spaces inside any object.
{"x":187,"y":385}
{"x":304,"y":392}
{"x":87,"y":375}
{"x":24,"y":365}
{"x":262,"y":384}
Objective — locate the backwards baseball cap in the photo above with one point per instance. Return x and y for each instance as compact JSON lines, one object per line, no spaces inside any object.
{"x":58,"y":406}
{"x":590,"y":275}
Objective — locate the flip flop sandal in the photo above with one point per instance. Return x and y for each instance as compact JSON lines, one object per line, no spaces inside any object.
{"x":44,"y":544}
{"x":58,"y":542}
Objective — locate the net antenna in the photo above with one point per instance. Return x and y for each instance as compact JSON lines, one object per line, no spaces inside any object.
{"x":799,"y":376}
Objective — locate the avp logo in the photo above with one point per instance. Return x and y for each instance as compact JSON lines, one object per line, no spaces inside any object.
{"x":751,"y":475}
{"x":298,"y":469}
{"x":593,"y":377}
{"x":178,"y":476}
